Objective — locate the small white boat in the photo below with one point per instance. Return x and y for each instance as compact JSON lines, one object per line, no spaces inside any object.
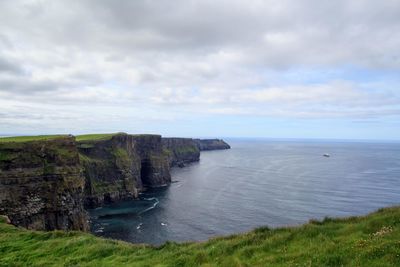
{"x":326,"y":155}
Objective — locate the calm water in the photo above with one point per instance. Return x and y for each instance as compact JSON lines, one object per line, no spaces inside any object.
{"x":258,"y":183}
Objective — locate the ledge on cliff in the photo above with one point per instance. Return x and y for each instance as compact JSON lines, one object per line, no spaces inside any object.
{"x":372,"y":240}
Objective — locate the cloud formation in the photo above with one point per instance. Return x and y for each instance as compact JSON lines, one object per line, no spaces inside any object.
{"x":85,"y":62}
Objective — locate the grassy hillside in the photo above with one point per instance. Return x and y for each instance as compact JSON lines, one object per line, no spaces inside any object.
{"x":30,"y":138}
{"x":79,"y":138}
{"x":373,"y":240}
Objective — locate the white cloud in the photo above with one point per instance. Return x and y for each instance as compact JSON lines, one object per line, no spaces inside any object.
{"x":179,"y":58}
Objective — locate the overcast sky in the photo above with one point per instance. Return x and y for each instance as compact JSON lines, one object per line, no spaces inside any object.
{"x":286,"y":69}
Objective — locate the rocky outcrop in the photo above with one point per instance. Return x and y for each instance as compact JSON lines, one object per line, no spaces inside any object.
{"x":181,"y":151}
{"x":211,"y":144}
{"x":121,"y":166}
{"x":41,"y":184}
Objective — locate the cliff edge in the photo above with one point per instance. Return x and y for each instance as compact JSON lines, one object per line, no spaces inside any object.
{"x":41,"y":184}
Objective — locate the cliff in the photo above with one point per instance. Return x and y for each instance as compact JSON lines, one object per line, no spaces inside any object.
{"x":211,"y":144}
{"x":119,"y":166}
{"x":41,"y":184}
{"x":46,"y":181}
{"x":180,"y":151}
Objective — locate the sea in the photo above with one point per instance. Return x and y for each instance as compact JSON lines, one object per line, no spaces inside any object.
{"x":258,"y":182}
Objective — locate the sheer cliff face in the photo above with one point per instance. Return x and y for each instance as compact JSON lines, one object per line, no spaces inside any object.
{"x":41,"y":184}
{"x":46,"y":184}
{"x":120,"y":167}
{"x":181,"y":151}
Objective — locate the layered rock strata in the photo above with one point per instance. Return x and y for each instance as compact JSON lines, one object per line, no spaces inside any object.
{"x":120,"y":167}
{"x":41,"y":184}
{"x":46,"y":184}
{"x":181,"y":151}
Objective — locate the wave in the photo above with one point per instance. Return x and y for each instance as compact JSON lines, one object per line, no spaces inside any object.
{"x":150,"y":198}
{"x":99,"y":230}
{"x":152,"y":207}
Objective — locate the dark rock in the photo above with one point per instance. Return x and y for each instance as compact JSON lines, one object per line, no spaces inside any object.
{"x":120,"y":167}
{"x":46,"y":184}
{"x":41,"y":184}
{"x":211,"y":144}
{"x":180,"y":151}
{"x":181,"y":164}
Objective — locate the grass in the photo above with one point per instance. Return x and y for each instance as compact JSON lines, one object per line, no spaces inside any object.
{"x":186,"y":150}
{"x":101,"y":187}
{"x":373,"y":240}
{"x":28,"y":151}
{"x":79,"y":138}
{"x":5,"y":156}
{"x":30,"y":138}
{"x":94,"y":137}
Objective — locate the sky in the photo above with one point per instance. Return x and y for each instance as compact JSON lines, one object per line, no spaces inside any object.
{"x":209,"y":68}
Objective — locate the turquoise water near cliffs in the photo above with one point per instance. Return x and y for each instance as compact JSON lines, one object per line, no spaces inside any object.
{"x":258,"y":183}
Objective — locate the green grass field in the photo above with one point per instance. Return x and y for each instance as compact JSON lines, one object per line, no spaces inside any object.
{"x":373,"y":240}
{"x":30,"y":138}
{"x":85,"y":137}
{"x":94,"y":137}
{"x":79,"y":138}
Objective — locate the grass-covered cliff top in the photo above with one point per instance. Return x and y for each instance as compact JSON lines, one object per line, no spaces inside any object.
{"x":30,"y":138}
{"x":101,"y":137}
{"x":79,"y":138}
{"x":94,"y":137}
{"x":373,"y":240}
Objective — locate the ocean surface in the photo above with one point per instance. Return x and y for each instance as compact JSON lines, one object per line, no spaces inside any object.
{"x":258,"y":183}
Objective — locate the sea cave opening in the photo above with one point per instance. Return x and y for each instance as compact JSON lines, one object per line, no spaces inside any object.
{"x":145,"y":171}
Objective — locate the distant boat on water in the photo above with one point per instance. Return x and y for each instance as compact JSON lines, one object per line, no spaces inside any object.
{"x":326,"y":155}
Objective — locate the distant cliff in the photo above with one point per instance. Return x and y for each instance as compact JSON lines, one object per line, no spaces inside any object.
{"x":211,"y":144}
{"x":181,"y":151}
{"x":41,"y":184}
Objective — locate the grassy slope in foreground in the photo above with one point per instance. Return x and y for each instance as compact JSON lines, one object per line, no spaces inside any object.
{"x":373,"y":240}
